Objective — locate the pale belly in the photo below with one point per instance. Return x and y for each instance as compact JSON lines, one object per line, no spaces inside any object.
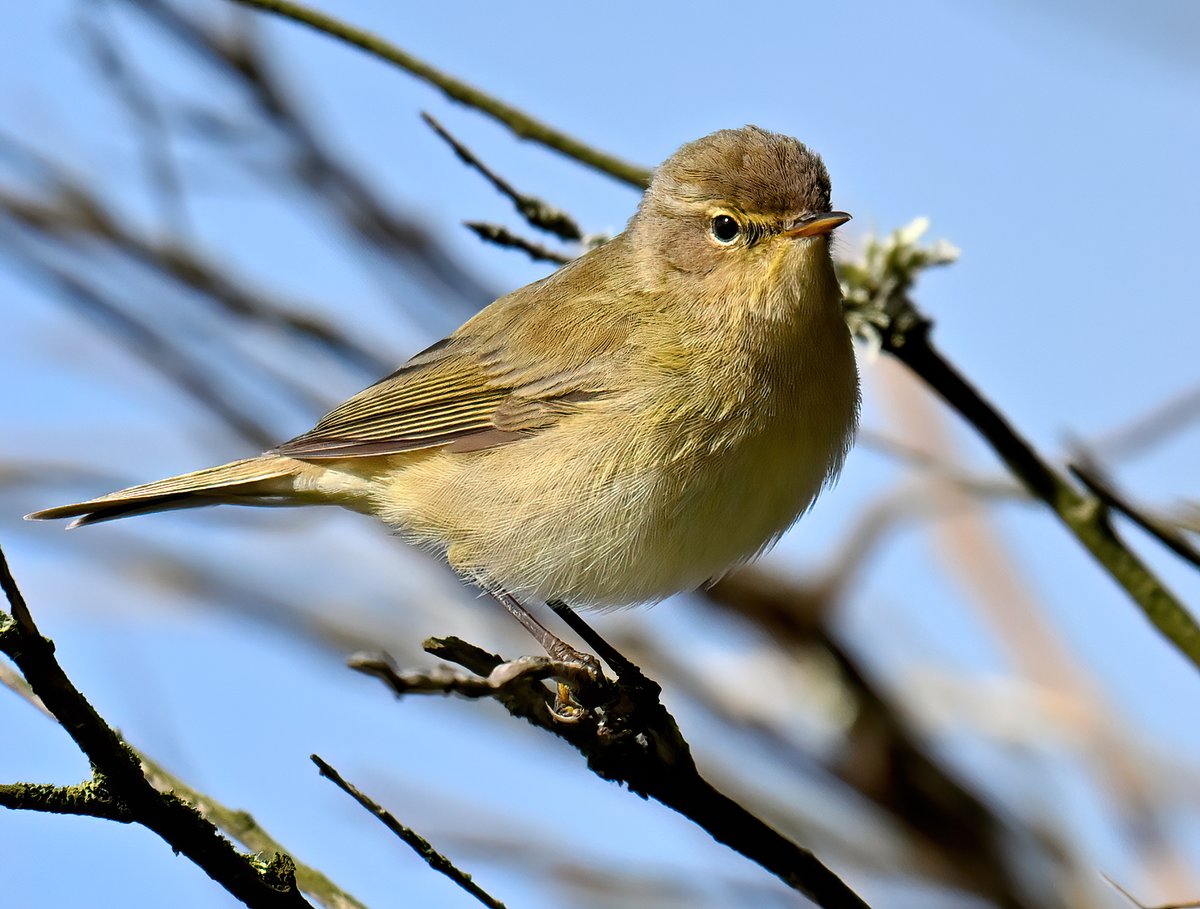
{"x":551,"y":519}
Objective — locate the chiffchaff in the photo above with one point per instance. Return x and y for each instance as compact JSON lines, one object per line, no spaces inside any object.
{"x":650,"y":415}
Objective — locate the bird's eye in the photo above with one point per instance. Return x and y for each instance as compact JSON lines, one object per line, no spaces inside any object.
{"x":725,"y":229}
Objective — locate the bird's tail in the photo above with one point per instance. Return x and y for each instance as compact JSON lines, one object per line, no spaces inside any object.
{"x":264,"y":480}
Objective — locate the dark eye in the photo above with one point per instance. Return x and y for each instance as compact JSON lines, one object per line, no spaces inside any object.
{"x":725,"y":228}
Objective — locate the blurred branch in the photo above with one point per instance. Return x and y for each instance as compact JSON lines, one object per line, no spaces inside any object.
{"x":536,"y":212}
{"x":980,"y":485}
{"x":101,"y":40}
{"x":157,"y":350}
{"x":626,"y":736}
{"x":75,"y":213}
{"x":517,"y":121}
{"x":315,"y":169}
{"x":884,"y":758}
{"x":1191,"y":904}
{"x":418,"y":843}
{"x":1149,"y":429}
{"x":588,"y":879}
{"x":1064,"y":700}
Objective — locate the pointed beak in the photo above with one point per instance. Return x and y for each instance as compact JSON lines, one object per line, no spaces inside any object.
{"x":814,"y":225}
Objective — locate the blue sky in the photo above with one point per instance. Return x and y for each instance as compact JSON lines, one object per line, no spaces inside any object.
{"x":1057,"y":149}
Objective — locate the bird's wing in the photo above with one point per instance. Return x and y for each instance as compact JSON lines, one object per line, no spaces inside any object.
{"x":505,"y":374}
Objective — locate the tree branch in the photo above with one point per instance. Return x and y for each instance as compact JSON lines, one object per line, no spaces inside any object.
{"x":536,"y":212}
{"x":1090,"y":475}
{"x":517,"y":121}
{"x":89,"y":799}
{"x":1084,"y":515}
{"x":240,"y":825}
{"x":502,"y":236}
{"x":271,"y":884}
{"x":419,"y":844}
{"x":879,"y":308}
{"x":628,"y":737}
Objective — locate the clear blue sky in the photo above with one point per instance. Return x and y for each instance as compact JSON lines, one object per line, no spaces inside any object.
{"x":1057,"y":149}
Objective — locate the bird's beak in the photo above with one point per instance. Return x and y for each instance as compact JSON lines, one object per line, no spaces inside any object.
{"x":814,"y":225}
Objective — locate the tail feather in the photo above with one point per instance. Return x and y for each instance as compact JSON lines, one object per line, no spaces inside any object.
{"x":255,"y":481}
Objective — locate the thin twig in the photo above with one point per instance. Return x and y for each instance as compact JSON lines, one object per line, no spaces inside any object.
{"x":1191,"y":904}
{"x":538,"y":213}
{"x":137,"y":97}
{"x":1090,"y":476}
{"x":418,"y":843}
{"x":502,"y":236}
{"x":517,"y":121}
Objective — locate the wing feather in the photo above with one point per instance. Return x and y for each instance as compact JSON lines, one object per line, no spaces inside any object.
{"x":479,"y":387}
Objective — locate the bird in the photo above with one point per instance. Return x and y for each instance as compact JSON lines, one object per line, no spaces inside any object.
{"x":649,"y":416}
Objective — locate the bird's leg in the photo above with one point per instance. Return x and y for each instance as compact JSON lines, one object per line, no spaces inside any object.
{"x":554,"y":646}
{"x":627,"y":671}
{"x":565,"y":707}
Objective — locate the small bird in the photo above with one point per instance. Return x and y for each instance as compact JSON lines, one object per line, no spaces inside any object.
{"x":649,"y":416}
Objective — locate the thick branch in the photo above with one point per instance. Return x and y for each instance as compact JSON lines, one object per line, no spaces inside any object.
{"x":626,"y":736}
{"x":176,"y":822}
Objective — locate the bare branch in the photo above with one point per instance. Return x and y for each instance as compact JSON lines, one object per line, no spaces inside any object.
{"x":418,"y":843}
{"x":164,"y":176}
{"x":878,"y":303}
{"x":502,"y":236}
{"x":538,"y":213}
{"x":271,"y":885}
{"x":238,"y":824}
{"x":89,"y":799}
{"x":1089,"y":474}
{"x":628,"y":737}
{"x":517,"y":121}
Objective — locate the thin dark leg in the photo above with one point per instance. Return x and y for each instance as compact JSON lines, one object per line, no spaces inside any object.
{"x":626,"y":671}
{"x":553,"y":646}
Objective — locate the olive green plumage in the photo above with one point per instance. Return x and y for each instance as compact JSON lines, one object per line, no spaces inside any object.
{"x":633,"y":425}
